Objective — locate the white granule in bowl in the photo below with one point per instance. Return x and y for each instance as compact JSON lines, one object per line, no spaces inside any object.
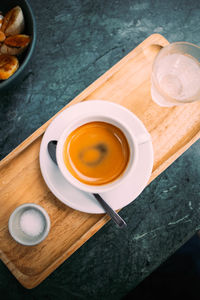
{"x":32,"y":222}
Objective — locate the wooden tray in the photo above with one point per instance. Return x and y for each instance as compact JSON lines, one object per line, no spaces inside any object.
{"x":173,"y":130}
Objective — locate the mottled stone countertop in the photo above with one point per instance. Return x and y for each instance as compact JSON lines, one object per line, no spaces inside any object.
{"x":77,"y":41}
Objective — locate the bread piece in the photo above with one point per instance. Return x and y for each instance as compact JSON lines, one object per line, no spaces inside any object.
{"x":8,"y":66}
{"x":2,"y":36}
{"x":13,"y":22}
{"x":15,"y":45}
{"x":1,"y":19}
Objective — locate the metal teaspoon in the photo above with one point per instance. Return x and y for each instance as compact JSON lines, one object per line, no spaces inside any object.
{"x":114,"y":216}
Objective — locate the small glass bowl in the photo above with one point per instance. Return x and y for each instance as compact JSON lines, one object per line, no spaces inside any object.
{"x":15,"y":229}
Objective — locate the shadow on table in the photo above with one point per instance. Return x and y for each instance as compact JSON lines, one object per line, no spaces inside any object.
{"x":177,"y":278}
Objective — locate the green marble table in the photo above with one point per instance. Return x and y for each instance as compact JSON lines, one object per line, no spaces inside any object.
{"x":77,"y":41}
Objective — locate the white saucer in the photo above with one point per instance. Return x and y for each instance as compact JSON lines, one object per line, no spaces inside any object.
{"x":82,"y":201}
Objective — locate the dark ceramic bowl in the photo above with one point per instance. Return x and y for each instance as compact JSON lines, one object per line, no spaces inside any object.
{"x":30,"y":29}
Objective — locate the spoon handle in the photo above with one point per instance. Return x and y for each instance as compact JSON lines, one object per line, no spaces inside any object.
{"x":114,"y":216}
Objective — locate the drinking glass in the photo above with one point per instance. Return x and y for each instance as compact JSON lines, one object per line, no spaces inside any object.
{"x":175,"y":76}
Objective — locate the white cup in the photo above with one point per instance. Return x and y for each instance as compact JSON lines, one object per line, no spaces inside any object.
{"x":133,"y":142}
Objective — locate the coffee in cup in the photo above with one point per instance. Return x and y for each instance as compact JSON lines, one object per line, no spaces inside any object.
{"x":99,"y":148}
{"x":96,"y":153}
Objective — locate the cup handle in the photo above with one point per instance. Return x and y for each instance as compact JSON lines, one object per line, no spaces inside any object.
{"x":143,"y":138}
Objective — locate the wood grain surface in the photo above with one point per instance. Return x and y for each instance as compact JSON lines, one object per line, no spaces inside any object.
{"x":173,"y":130}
